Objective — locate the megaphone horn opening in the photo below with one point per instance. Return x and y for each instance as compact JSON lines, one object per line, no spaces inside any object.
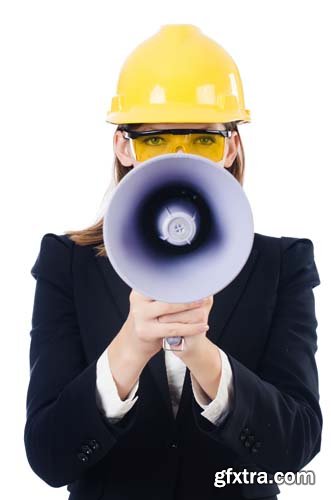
{"x":158,"y":212}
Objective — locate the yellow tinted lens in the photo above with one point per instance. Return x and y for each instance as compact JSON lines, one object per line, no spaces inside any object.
{"x":210,"y":146}
{"x":152,"y":145}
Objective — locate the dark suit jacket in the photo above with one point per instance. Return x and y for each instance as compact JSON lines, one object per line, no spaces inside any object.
{"x":265,"y":322}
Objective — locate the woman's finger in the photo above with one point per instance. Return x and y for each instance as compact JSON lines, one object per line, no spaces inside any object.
{"x":137,"y":297}
{"x":197,"y":315}
{"x":158,"y":308}
{"x":180,"y":329}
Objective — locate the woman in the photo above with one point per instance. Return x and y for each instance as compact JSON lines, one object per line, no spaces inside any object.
{"x":109,"y":412}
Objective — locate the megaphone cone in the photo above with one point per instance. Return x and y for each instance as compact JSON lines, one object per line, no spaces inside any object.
{"x":178,"y":228}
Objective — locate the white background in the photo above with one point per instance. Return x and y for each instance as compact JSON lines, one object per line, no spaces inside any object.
{"x":59,"y":66}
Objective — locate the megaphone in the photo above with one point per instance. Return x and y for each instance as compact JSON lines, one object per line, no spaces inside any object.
{"x":178,"y":228}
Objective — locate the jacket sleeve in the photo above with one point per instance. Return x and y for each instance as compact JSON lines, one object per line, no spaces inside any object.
{"x":65,"y":432}
{"x":275,"y":420}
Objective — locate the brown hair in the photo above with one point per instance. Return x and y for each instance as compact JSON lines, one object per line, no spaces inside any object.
{"x":93,"y":235}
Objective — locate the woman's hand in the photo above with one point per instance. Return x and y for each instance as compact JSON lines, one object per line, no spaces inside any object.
{"x":193,"y":340}
{"x":149,"y":321}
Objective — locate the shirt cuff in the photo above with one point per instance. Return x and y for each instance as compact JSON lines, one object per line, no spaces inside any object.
{"x":217,"y":409}
{"x":107,"y":396}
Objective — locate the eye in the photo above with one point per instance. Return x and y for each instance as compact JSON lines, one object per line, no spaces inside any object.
{"x":154,"y":140}
{"x":205,"y":140}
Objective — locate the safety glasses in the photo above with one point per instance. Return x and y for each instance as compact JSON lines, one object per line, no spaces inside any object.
{"x":149,"y":143}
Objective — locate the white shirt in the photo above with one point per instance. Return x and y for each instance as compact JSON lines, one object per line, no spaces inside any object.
{"x":115,"y":408}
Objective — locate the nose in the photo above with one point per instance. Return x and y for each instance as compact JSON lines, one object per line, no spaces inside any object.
{"x":180,"y":149}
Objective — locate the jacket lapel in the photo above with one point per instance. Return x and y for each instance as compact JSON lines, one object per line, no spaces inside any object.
{"x":224,"y":304}
{"x":117,"y":288}
{"x":226,"y":300}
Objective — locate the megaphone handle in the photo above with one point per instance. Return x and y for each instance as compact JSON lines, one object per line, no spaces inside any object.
{"x":173,"y":341}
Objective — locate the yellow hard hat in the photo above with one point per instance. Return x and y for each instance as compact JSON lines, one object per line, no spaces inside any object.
{"x":178,"y":75}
